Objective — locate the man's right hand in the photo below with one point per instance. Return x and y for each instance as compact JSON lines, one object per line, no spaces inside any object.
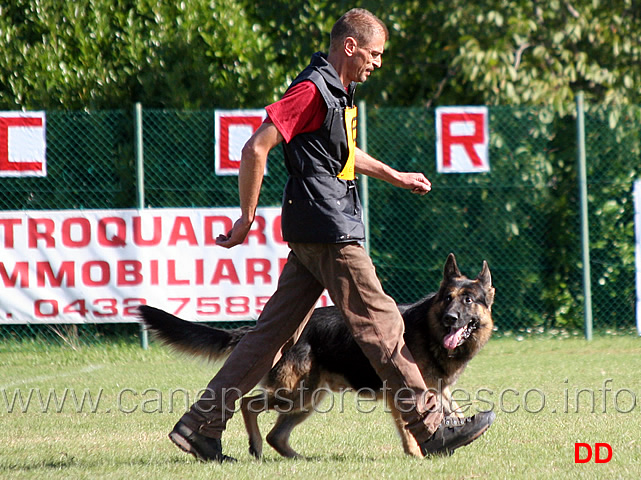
{"x":250,"y":178}
{"x":236,"y":235}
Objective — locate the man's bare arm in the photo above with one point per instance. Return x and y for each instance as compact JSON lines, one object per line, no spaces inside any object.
{"x":250,"y":179}
{"x":368,"y":165}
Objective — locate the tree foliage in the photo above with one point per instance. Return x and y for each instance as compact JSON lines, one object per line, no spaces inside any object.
{"x":108,"y":54}
{"x":203,"y":53}
{"x":516,"y":52}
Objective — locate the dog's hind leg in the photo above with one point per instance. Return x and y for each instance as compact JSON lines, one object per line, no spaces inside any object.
{"x":251,"y":407}
{"x":296,"y":406}
{"x":278,"y":437}
{"x":287,"y":419}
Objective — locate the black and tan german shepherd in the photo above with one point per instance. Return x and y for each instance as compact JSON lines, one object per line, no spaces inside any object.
{"x":444,"y":331}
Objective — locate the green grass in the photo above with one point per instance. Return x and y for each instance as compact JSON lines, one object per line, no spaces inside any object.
{"x":126,"y":435}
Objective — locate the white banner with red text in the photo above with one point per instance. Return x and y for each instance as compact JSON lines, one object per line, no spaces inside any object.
{"x":462,"y":139}
{"x":23,"y":144}
{"x":98,"y":266}
{"x":637,"y":230}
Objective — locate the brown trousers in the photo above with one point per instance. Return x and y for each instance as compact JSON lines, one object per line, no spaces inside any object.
{"x":347,"y":272}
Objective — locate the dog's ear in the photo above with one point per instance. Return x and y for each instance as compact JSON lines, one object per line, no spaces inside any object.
{"x":451,"y":268}
{"x":485,"y":279}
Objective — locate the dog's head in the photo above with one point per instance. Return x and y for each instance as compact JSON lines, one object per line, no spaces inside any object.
{"x":464,"y":308}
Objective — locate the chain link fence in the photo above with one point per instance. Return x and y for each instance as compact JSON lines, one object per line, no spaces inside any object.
{"x":522,"y":216}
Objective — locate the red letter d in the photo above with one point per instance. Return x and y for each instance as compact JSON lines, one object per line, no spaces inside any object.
{"x":577,"y":453}
{"x":597,"y":448}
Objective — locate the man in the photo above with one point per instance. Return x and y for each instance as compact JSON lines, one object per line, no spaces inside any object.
{"x":321,"y":221}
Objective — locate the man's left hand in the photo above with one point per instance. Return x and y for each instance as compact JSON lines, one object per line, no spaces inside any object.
{"x":416,"y":182}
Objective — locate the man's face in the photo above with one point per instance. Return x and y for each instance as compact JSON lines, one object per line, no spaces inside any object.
{"x":366,"y":58}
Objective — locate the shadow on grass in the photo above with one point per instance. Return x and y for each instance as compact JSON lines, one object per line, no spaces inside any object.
{"x":43,"y":464}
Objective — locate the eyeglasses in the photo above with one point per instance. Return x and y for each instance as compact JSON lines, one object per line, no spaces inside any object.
{"x":373,"y":53}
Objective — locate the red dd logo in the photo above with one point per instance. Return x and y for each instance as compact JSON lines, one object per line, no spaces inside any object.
{"x":583,"y":452}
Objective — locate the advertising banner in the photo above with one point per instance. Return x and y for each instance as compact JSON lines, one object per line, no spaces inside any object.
{"x":637,"y":230}
{"x":97,"y":266}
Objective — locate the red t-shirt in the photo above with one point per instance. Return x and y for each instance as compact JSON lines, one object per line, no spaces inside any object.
{"x":301,"y":110}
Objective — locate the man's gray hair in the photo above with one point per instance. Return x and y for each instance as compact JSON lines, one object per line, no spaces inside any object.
{"x":358,"y":23}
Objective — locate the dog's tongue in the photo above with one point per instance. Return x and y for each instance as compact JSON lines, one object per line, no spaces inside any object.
{"x":453,"y":338}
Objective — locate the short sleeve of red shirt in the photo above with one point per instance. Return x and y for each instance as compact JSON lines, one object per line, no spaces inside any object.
{"x":301,"y":110}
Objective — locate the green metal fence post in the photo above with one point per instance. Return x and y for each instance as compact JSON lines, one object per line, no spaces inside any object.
{"x":140,"y":183}
{"x":585,"y":229}
{"x":140,"y":169}
{"x":362,"y":144}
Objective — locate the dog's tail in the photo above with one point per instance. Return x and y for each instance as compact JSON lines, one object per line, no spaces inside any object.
{"x":189,"y":337}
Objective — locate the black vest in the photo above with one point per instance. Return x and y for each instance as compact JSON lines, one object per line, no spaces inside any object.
{"x":320,"y":201}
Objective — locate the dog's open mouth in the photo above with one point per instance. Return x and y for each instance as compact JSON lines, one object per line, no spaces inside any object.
{"x":457,"y":336}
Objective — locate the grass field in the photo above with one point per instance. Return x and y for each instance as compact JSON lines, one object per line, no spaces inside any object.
{"x":548,"y":394}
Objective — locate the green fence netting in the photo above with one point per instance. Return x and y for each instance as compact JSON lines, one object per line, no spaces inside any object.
{"x":522,"y":216}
